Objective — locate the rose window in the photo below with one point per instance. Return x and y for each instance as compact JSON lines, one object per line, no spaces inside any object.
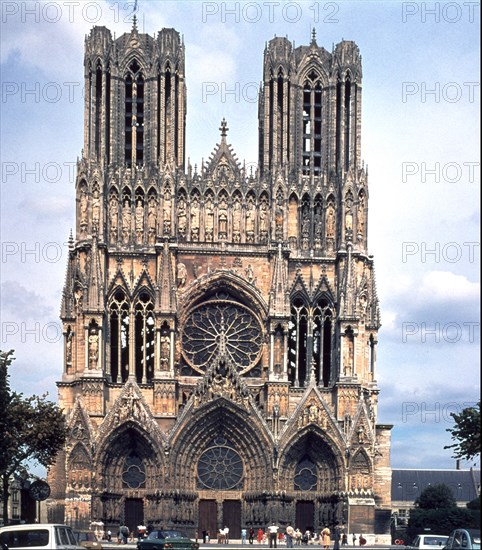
{"x":222,"y":328}
{"x":220,"y":468}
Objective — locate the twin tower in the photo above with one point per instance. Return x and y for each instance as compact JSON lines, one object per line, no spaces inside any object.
{"x":220,"y":325}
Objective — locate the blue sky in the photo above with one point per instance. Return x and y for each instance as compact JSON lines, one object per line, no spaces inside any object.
{"x":420,"y":140}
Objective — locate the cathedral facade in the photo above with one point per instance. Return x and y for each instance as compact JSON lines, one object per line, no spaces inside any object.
{"x":220,"y":325}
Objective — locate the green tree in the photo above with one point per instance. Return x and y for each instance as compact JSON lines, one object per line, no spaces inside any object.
{"x":466,"y":433}
{"x":435,"y":497}
{"x":441,"y":521}
{"x":32,"y":430}
{"x":474,"y":504}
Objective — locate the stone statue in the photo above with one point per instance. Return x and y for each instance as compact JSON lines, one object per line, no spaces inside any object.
{"x":152,"y":220}
{"x":181,"y":216}
{"x":84,"y":205}
{"x":93,"y":348}
{"x":195,"y":220}
{"x":95,"y":208}
{"x":113,"y":216}
{"x":165,"y":348}
{"x":236,"y":216}
{"x":223,"y":220}
{"x":330,"y":222}
{"x":250,"y":219}
{"x":360,"y":220}
{"x":68,"y":348}
{"x":126,"y":221}
{"x":166,"y":212}
{"x":209,"y":222}
{"x":181,"y":275}
{"x":139,"y":221}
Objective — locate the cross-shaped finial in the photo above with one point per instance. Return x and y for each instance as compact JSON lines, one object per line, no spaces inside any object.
{"x":224,"y":128}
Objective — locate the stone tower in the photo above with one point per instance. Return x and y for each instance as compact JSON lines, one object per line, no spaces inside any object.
{"x":221,"y":326}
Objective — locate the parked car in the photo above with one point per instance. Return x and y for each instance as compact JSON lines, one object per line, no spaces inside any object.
{"x":464,"y":539}
{"x":88,"y":539}
{"x":43,"y":536}
{"x":158,"y":539}
{"x":429,"y":541}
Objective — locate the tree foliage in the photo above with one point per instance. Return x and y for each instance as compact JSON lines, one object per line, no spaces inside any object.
{"x":32,"y":430}
{"x":435,"y":497}
{"x":466,"y":433}
{"x":441,"y":521}
{"x":474,"y":504}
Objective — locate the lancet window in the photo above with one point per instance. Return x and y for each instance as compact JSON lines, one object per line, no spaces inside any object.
{"x":144,"y":338}
{"x":310,"y":342}
{"x":298,"y":343}
{"x":134,"y":115}
{"x":312,"y":96}
{"x":119,"y":337}
{"x":322,"y":334}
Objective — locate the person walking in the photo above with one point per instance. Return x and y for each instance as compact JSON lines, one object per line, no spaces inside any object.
{"x":354,"y":539}
{"x":251,"y":535}
{"x":260,"y":535}
{"x":124,"y":533}
{"x":290,"y":533}
{"x":273,"y":535}
{"x":325,"y":537}
{"x":243,"y":536}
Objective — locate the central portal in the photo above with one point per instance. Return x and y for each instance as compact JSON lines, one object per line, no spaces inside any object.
{"x":305,"y":513}
{"x":134,"y":513}
{"x":232,"y":518}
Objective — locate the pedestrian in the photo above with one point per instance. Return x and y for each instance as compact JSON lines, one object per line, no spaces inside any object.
{"x":109,"y":535}
{"x":226,"y":534}
{"x":298,"y":536}
{"x":124,"y":533}
{"x":260,"y":535}
{"x":243,"y":536}
{"x":344,"y":539}
{"x":290,"y":532}
{"x":354,"y":539}
{"x":325,"y":537}
{"x":251,"y":535}
{"x":362,"y":540}
{"x":273,"y":535}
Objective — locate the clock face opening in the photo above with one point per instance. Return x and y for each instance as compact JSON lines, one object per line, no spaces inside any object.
{"x":222,"y":327}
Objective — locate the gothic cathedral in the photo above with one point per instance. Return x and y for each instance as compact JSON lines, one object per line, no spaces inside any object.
{"x":220,"y":324}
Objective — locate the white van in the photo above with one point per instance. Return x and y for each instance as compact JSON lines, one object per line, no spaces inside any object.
{"x":41,"y":536}
{"x":429,"y":542}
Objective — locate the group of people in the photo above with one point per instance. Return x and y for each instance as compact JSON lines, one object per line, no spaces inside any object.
{"x":294,"y":537}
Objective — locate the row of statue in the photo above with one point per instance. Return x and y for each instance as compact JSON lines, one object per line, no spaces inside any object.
{"x":140,"y":219}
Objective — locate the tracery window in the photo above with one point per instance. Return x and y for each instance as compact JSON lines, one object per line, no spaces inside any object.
{"x":306,"y":478}
{"x":119,"y":337}
{"x":310,"y":342}
{"x":144,"y":338}
{"x":322,"y":328}
{"x":133,"y":473}
{"x":297,"y":343}
{"x":220,"y":467}
{"x":222,"y":326}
